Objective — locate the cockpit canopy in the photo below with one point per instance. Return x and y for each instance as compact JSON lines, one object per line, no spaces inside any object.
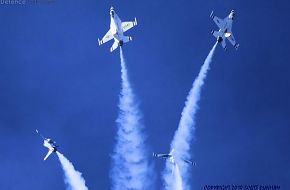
{"x":112,"y":12}
{"x":232,"y":14}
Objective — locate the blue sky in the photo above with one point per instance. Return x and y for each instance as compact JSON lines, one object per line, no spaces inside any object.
{"x":54,"y":77}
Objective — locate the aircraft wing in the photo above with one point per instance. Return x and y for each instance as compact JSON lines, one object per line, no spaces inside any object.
{"x":163,"y":155}
{"x":39,"y":134}
{"x":48,"y":154}
{"x":106,"y":38}
{"x":189,"y":162}
{"x":232,"y":40}
{"x":128,"y":25}
{"x":218,"y":21}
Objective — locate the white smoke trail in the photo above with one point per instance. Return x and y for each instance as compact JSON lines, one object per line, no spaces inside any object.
{"x":184,"y":134}
{"x":73,"y":178}
{"x":130,"y":166}
{"x":177,"y":179}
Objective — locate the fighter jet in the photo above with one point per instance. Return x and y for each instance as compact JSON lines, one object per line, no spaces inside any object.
{"x":48,"y":143}
{"x":225,"y":29}
{"x":116,"y":31}
{"x":171,"y":158}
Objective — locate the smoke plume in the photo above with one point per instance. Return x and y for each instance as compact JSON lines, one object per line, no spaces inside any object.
{"x":185,"y":132}
{"x":130,"y":168}
{"x":177,"y":179}
{"x":72,"y":177}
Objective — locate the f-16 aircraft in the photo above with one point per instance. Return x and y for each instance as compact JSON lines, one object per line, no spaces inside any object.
{"x":116,"y":31}
{"x":48,"y":143}
{"x":225,"y":29}
{"x":171,"y":158}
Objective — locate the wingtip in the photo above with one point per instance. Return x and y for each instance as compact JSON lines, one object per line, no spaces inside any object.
{"x":211,"y":14}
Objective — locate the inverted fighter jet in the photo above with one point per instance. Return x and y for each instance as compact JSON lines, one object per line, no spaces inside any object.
{"x":116,"y":31}
{"x":48,"y":143}
{"x":225,"y":29}
{"x":171,"y":158}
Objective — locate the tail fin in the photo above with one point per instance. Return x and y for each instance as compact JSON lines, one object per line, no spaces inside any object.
{"x":48,"y":154}
{"x":171,"y":152}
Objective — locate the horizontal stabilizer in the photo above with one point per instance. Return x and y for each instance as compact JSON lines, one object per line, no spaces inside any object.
{"x":224,"y":45}
{"x":114,"y":46}
{"x":236,"y":46}
{"x":100,"y":42}
{"x":215,"y":33}
{"x":135,"y":22}
{"x":127,"y":39}
{"x":190,"y":162}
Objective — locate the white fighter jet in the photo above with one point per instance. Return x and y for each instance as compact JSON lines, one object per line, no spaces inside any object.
{"x":171,"y":158}
{"x":116,"y":31}
{"x":225,"y":29}
{"x":48,"y":143}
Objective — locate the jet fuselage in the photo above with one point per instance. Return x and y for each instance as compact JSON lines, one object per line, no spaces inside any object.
{"x":117,"y":30}
{"x":48,"y":143}
{"x":223,"y":31}
{"x":116,"y":27}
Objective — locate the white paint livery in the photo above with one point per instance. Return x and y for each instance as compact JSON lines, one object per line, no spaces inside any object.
{"x":49,"y":144}
{"x":171,"y":158}
{"x":225,"y":29}
{"x":116,"y":31}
